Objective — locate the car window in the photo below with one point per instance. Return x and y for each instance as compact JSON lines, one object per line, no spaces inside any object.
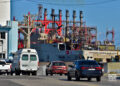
{"x":33,"y":58}
{"x":59,"y":64}
{"x":25,"y":57}
{"x":88,"y":63}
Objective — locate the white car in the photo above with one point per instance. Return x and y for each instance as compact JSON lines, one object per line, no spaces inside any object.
{"x":5,"y":67}
{"x":25,"y":61}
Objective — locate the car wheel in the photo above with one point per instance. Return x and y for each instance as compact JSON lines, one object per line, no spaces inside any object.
{"x":11,"y":73}
{"x":77,"y":76}
{"x":89,"y":79}
{"x":17,"y":72}
{"x":51,"y":74}
{"x":8,"y":73}
{"x":68,"y":77}
{"x":98,"y":79}
{"x":34,"y":73}
{"x":46,"y":73}
{"x":60,"y":74}
{"x":28,"y":73}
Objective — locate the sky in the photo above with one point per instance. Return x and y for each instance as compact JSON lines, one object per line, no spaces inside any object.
{"x":103,"y":14}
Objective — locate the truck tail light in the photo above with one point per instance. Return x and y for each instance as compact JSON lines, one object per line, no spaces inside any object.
{"x":38,"y":64}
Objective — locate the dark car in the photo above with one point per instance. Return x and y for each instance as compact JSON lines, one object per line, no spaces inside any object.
{"x":85,"y":69}
{"x":56,"y":67}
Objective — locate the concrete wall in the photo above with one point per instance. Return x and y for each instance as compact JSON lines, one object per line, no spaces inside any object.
{"x":4,"y":11}
{"x":104,"y":55}
{"x":112,"y":67}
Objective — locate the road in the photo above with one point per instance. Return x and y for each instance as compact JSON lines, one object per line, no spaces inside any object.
{"x":55,"y":80}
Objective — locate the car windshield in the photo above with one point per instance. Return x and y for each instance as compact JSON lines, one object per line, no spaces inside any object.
{"x":88,"y":63}
{"x":25,"y":57}
{"x":2,"y":63}
{"x":58,"y":64}
{"x":33,"y":57}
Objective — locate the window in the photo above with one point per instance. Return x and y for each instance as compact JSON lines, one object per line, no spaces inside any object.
{"x":2,"y":35}
{"x":33,"y":57}
{"x":59,"y":64}
{"x":88,"y":63}
{"x":68,"y":47}
{"x":25,"y":57}
{"x":61,"y":47}
{"x":2,"y":56}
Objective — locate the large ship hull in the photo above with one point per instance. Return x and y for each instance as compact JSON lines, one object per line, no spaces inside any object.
{"x":51,"y":52}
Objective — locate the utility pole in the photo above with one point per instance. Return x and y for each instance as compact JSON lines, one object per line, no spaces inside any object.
{"x":27,"y":30}
{"x":28,"y":35}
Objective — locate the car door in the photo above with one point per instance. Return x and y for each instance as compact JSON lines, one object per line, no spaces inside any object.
{"x":33,"y":62}
{"x":24,"y":63}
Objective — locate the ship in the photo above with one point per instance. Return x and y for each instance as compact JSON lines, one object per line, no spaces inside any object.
{"x":62,"y":40}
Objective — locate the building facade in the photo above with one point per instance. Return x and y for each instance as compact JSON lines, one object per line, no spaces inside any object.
{"x":8,"y":39}
{"x":103,"y":56}
{"x":4,"y":12}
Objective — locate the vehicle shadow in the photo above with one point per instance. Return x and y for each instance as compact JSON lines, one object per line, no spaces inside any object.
{"x":81,"y":80}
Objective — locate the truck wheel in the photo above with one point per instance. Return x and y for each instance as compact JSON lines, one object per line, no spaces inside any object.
{"x":89,"y":79}
{"x":17,"y":72}
{"x":34,"y":73}
{"x":68,"y":77}
{"x":8,"y":73}
{"x":98,"y":79}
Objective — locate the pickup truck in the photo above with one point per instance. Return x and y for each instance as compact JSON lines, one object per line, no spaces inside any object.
{"x":5,"y":67}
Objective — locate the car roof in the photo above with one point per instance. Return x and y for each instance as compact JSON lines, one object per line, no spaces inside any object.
{"x":57,"y":61}
{"x":85,"y":60}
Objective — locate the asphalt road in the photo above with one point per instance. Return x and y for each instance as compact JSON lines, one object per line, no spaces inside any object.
{"x":54,"y":80}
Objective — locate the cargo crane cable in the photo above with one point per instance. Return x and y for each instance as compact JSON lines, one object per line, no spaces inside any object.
{"x":94,"y":3}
